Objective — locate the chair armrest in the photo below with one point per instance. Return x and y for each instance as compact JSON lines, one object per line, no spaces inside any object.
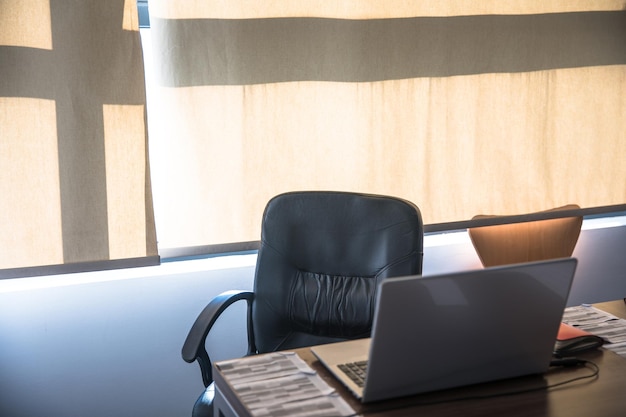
{"x":194,"y":347}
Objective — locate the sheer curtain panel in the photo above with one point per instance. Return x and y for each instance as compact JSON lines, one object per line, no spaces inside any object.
{"x":463,"y":107}
{"x":74,"y":180}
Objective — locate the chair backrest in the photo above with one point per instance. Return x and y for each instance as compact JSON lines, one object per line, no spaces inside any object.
{"x":322,"y":255}
{"x":528,"y":241}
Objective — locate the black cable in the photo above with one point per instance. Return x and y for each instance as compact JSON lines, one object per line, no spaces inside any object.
{"x":567,"y":362}
{"x":562,"y":362}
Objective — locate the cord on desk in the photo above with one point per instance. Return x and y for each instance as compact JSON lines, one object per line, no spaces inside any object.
{"x":567,"y":362}
{"x":561,"y":362}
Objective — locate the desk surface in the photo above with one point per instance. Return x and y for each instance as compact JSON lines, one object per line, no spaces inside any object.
{"x":604,"y":396}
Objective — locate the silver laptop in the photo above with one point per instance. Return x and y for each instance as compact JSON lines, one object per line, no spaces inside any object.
{"x":437,"y":332}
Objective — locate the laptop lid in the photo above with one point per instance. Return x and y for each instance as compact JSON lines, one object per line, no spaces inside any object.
{"x":437,"y":332}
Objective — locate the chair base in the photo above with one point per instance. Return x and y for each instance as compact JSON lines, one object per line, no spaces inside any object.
{"x":204,"y":405}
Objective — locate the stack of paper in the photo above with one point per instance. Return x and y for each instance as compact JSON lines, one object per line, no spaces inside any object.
{"x":282,"y":384}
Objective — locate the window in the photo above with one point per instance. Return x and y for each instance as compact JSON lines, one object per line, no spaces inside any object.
{"x":461,"y":109}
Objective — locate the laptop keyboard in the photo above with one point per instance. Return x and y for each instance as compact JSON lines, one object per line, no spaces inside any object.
{"x":356,"y":371}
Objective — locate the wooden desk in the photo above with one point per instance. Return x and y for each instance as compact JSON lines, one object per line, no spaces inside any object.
{"x":604,"y":396}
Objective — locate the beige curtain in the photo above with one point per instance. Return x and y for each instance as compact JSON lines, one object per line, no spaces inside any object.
{"x":462,"y":107}
{"x":74,"y":180}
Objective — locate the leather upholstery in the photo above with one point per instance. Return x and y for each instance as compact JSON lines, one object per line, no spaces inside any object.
{"x":321,"y":258}
{"x":322,"y":255}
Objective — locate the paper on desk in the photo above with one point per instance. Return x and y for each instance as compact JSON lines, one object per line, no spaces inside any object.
{"x":300,"y":394}
{"x":619,"y":348}
{"x":282,"y":384}
{"x":259,"y":367}
{"x":584,"y":315}
{"x":330,"y":406}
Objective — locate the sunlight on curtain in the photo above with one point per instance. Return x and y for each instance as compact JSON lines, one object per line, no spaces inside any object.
{"x":75,"y":182}
{"x":125,"y":178}
{"x":29,"y":184}
{"x":502,"y":107}
{"x":29,"y":23}
{"x":368,"y":9}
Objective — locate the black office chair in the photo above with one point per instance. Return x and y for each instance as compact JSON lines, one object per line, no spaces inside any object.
{"x":321,"y":257}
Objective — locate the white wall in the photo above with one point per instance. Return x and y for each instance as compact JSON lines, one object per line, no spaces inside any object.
{"x":110,"y":348}
{"x":107,"y":344}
